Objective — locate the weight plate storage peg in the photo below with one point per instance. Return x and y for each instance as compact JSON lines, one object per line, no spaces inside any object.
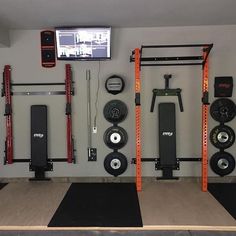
{"x":115,"y":111}
{"x":223,"y":110}
{"x":115,"y":137}
{"x":222,"y":136}
{"x":115,"y":163}
{"x":222,"y":163}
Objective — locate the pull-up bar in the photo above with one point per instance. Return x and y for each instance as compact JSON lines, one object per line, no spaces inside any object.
{"x":201,"y":60}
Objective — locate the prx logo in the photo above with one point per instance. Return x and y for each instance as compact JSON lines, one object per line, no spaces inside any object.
{"x":167,"y":133}
{"x":38,"y":135}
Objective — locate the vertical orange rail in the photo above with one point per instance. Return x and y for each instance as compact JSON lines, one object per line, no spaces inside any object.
{"x":138,"y":120}
{"x":68,"y":114}
{"x":205,"y":123}
{"x":8,"y":114}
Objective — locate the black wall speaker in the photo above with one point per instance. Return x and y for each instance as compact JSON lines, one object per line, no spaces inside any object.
{"x":48,"y":48}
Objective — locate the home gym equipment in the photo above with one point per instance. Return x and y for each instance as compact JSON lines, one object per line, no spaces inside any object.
{"x":167,"y":130}
{"x":223,"y":110}
{"x":115,"y":111}
{"x":115,"y":137}
{"x":167,"y":92}
{"x":223,"y":86}
{"x":39,"y":142}
{"x":222,"y":136}
{"x":48,"y":51}
{"x":140,"y":61}
{"x":115,"y":163}
{"x":167,"y":141}
{"x":8,"y":93}
{"x":222,"y":163}
{"x":92,"y":152}
{"x":115,"y":84}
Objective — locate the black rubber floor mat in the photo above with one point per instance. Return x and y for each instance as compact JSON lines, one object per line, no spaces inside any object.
{"x":225,"y":194}
{"x":99,"y":204}
{"x":2,"y":185}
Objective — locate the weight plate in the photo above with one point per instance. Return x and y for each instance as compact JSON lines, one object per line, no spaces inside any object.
{"x":115,"y":137}
{"x":115,"y":163}
{"x":222,"y":136}
{"x":115,"y":111}
{"x":222,"y":163}
{"x":223,"y":110}
{"x":114,"y":84}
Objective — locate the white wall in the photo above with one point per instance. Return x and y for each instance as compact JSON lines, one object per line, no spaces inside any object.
{"x":24,"y":57}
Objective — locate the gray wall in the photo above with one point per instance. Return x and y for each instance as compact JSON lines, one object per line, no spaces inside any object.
{"x":24,"y":57}
{"x":4,"y":38}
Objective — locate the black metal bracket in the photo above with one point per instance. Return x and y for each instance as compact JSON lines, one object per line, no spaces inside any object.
{"x":50,"y":160}
{"x":49,"y":167}
{"x":159,"y":166}
{"x":167,"y":91}
{"x":205,"y":98}
{"x":180,"y":159}
{"x":30,"y":93}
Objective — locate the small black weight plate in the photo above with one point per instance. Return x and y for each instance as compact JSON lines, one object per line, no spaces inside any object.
{"x":222,"y":163}
{"x":223,"y":110}
{"x":115,"y":137}
{"x":115,"y":111}
{"x":222,"y":136}
{"x":115,"y":163}
{"x":114,"y":84}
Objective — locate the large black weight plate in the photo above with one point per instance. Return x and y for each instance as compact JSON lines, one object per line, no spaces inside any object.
{"x":115,"y":111}
{"x":223,"y":110}
{"x":222,"y":136}
{"x":222,"y":163}
{"x":115,"y":163}
{"x":115,"y":137}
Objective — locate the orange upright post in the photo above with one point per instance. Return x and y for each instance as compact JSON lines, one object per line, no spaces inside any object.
{"x":205,"y":122}
{"x":138,"y":120}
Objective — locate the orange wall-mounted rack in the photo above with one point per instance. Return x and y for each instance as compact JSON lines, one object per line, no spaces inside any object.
{"x":141,"y":61}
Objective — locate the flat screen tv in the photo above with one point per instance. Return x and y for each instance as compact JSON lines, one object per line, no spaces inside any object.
{"x":83,"y":43}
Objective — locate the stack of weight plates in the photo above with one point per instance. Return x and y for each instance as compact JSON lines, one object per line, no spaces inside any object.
{"x":115,"y":137}
{"x":222,"y":136}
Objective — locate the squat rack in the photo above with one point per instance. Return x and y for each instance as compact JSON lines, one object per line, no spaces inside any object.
{"x":201,"y":60}
{"x":7,"y":92}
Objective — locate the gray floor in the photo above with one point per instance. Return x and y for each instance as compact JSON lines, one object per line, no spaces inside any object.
{"x":162,"y":204}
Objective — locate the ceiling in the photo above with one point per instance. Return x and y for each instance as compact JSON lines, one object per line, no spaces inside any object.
{"x":39,"y":14}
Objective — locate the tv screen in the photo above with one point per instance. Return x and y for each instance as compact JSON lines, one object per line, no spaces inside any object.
{"x":83,"y":43}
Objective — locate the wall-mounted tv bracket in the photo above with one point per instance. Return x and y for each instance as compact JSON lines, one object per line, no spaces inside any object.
{"x":202,"y":60}
{"x":92,"y":152}
{"x":7,"y":92}
{"x":167,"y":91}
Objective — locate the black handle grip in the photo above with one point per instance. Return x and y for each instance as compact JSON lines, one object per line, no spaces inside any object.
{"x":167,"y":78}
{"x":153,"y":101}
{"x":180,"y":102}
